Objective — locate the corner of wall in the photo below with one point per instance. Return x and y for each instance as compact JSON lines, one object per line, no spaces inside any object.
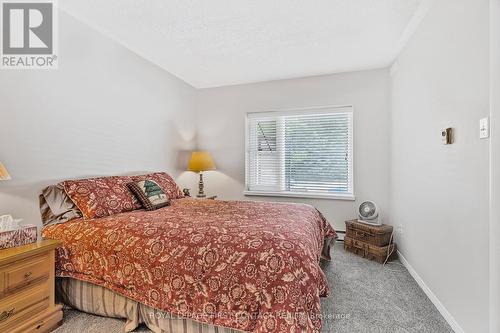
{"x":494,"y":165}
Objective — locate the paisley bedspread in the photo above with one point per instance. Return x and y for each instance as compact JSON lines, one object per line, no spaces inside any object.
{"x":251,"y":266}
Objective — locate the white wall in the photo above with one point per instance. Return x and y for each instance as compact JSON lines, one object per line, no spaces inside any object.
{"x":495,"y":166}
{"x":104,"y":111}
{"x":440,"y":193}
{"x":221,"y":127}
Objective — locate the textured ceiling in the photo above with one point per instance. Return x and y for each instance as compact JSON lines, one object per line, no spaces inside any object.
{"x":224,"y":42}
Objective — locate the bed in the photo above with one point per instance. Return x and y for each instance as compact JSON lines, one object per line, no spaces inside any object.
{"x":199,"y":265}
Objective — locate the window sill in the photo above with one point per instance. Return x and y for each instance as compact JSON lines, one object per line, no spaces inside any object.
{"x":347,"y":197}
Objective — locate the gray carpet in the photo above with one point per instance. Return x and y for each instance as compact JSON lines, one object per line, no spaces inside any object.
{"x":366,"y":297}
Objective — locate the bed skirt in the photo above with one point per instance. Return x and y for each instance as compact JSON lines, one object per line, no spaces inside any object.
{"x":94,"y":299}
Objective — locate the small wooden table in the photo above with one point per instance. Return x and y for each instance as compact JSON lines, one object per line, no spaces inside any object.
{"x":27,"y":288}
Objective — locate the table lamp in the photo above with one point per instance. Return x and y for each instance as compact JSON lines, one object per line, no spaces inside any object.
{"x":201,"y":161}
{"x":4,"y":175}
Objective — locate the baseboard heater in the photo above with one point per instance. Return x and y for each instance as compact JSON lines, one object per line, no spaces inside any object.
{"x":341,"y":235}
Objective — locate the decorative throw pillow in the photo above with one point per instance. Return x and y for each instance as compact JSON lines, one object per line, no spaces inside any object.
{"x":166,"y":183}
{"x":100,"y":197}
{"x":149,"y":194}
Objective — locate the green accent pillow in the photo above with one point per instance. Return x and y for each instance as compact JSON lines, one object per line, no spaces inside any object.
{"x":150,"y":194}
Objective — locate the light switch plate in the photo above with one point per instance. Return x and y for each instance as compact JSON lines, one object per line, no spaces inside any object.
{"x":484,"y":128}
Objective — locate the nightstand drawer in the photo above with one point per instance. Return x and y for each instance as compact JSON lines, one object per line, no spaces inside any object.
{"x":41,"y":324}
{"x":25,"y":272}
{"x":22,"y":306}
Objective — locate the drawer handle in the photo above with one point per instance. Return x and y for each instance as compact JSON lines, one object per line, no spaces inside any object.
{"x":39,"y":324}
{"x":27,"y":275}
{"x":6,"y":314}
{"x":360,"y":234}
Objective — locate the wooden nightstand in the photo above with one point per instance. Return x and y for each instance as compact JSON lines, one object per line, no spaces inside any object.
{"x":27,"y":288}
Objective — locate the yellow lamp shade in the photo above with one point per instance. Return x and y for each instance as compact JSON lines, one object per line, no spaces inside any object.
{"x":201,"y":161}
{"x":4,"y":175}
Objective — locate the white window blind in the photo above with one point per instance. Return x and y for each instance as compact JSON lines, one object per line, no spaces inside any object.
{"x":300,"y":153}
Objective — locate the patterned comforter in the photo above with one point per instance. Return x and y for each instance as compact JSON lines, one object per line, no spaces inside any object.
{"x":252,"y":266}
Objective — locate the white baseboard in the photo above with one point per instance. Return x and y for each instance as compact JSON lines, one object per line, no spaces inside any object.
{"x":447,"y":316}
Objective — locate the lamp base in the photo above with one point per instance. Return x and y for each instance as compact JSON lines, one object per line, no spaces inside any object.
{"x":200,"y":194}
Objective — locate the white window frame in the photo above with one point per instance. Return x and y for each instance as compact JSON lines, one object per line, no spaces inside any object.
{"x":313,"y":110}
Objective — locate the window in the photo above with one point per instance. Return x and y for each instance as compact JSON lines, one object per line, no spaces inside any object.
{"x":302,"y":153}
